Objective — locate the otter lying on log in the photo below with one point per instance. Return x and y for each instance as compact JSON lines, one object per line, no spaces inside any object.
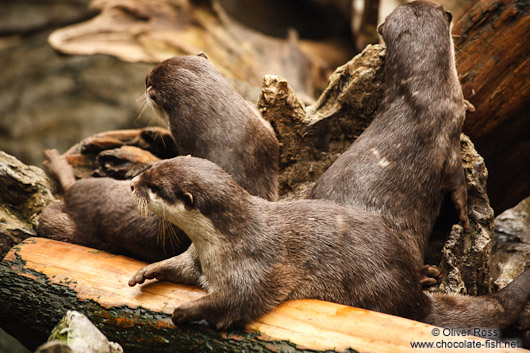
{"x":251,"y":255}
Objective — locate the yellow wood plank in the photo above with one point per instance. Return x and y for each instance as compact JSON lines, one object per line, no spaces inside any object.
{"x":311,"y":324}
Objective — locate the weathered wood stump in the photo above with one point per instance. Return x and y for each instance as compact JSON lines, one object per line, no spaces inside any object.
{"x":41,"y":279}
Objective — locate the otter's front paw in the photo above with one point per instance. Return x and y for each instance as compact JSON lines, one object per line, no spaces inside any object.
{"x":155,"y":270}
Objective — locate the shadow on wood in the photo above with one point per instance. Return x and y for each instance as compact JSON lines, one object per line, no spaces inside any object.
{"x":41,"y":279}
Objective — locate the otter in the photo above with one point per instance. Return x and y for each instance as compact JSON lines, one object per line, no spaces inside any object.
{"x":100,"y":213}
{"x":251,"y":254}
{"x":208,"y":119}
{"x":408,"y":158}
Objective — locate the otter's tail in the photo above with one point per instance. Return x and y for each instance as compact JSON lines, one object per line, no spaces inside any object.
{"x":59,"y":168}
{"x":489,"y":311}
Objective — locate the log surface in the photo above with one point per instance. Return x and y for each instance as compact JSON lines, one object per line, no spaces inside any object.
{"x":493,"y":62}
{"x":41,"y":279}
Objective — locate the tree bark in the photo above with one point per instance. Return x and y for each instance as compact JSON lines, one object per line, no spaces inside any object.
{"x":41,"y":279}
{"x":492,"y":55}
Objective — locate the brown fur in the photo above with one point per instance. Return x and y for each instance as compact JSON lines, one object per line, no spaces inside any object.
{"x":100,"y":213}
{"x":264,"y":253}
{"x":251,"y":254}
{"x":409,"y":156}
{"x":208,"y":118}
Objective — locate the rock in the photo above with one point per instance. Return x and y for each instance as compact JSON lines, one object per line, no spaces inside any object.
{"x":16,"y":19}
{"x":512,"y":244}
{"x":152,"y":31}
{"x":120,"y":154}
{"x":49,"y":100}
{"x":311,"y":138}
{"x":24,"y":192}
{"x":511,"y":254}
{"x":76,"y":334}
{"x":125,"y":162}
{"x":494,"y":70}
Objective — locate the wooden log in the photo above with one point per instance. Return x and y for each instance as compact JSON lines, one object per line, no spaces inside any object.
{"x":492,"y":57}
{"x":120,"y":154}
{"x":41,"y":279}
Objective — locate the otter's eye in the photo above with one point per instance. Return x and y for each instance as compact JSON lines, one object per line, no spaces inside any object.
{"x":151,"y":92}
{"x":449,"y":16}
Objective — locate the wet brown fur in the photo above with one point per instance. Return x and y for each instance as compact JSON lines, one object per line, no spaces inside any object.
{"x":209,"y":119}
{"x":401,"y":166}
{"x":100,"y":213}
{"x":267,"y":252}
{"x":408,"y":158}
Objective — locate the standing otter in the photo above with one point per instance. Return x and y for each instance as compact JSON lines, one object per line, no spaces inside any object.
{"x":209,"y":119}
{"x":401,"y":166}
{"x":251,"y":255}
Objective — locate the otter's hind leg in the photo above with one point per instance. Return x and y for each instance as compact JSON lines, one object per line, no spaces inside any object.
{"x":56,"y":224}
{"x":429,"y":275}
{"x":59,"y":168}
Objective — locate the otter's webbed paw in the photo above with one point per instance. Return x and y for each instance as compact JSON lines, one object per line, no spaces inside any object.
{"x":429,"y":275}
{"x":157,"y":270}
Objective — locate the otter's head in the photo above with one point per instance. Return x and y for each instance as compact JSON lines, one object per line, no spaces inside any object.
{"x":420,"y":18}
{"x":173,"y":81}
{"x":418,"y":36}
{"x":192,"y":193}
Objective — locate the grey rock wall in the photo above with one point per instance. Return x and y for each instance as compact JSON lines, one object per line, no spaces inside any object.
{"x":48,"y":100}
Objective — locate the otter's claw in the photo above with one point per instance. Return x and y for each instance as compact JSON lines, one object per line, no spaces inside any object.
{"x":147,"y":272}
{"x":429,"y":275}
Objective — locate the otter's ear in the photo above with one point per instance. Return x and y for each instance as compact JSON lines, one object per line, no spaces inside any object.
{"x":380,"y":29}
{"x":201,"y":54}
{"x":188,"y":200}
{"x":449,"y":16}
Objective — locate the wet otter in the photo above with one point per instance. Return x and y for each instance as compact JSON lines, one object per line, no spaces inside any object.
{"x":401,"y":166}
{"x":251,"y":254}
{"x":208,"y":118}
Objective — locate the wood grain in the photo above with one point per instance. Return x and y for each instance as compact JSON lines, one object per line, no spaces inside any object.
{"x":41,"y":279}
